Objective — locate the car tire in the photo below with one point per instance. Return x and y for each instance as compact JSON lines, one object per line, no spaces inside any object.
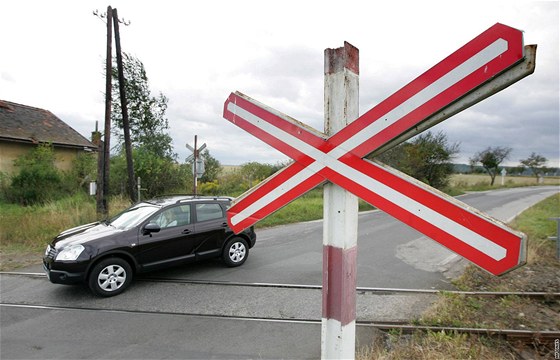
{"x":110,"y":277}
{"x":235,"y":252}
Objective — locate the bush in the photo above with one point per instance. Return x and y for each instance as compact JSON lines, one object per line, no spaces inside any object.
{"x":158,"y":175}
{"x":84,"y":170}
{"x":209,"y":188}
{"x":38,"y":180}
{"x":5,"y":182}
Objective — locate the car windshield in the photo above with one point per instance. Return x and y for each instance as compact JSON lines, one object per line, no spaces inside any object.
{"x":133,"y":216}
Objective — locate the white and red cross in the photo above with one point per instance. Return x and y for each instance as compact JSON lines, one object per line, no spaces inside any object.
{"x":339,"y":158}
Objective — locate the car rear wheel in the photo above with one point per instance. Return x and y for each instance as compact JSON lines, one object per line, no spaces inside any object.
{"x":235,"y":252}
{"x":110,"y":277}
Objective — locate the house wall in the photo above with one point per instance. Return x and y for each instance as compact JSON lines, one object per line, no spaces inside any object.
{"x":10,"y":151}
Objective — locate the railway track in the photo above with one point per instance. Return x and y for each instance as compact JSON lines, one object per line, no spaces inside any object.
{"x":529,"y":337}
{"x":381,"y":291}
{"x":512,"y":335}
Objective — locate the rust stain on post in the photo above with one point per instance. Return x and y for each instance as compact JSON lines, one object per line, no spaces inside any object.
{"x":346,"y":57}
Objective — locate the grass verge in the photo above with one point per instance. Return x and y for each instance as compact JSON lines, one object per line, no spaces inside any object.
{"x":436,"y":346}
{"x":25,"y":231}
{"x":481,"y":182}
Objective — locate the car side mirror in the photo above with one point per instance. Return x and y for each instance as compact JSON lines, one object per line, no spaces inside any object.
{"x":151,"y":228}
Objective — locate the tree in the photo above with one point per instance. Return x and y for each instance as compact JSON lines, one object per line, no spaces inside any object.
{"x":427,"y":158}
{"x":254,"y":172}
{"x":491,"y":158}
{"x":148,"y":124}
{"x":158,"y":175}
{"x":207,"y":184}
{"x":84,"y":168}
{"x":212,"y":167}
{"x":152,"y":148}
{"x":38,"y":179}
{"x":535,"y":162}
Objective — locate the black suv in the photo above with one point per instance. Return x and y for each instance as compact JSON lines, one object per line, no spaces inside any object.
{"x":150,"y":235}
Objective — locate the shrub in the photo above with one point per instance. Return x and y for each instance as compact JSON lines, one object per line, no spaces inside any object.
{"x":5,"y":181}
{"x":159,"y":175}
{"x":38,"y":179}
{"x":209,"y":188}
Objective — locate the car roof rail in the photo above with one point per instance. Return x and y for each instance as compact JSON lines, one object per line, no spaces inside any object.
{"x":189,"y":197}
{"x":172,"y":195}
{"x":206,"y":197}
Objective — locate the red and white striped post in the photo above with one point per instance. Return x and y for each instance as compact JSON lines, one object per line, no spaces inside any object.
{"x":340,"y":229}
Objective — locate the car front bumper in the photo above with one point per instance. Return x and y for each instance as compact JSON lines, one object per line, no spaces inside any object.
{"x":63,"y":277}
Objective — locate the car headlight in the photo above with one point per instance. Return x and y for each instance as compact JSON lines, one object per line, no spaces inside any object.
{"x":69,"y":253}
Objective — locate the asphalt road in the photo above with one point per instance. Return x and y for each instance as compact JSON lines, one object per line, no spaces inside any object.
{"x":185,"y":320}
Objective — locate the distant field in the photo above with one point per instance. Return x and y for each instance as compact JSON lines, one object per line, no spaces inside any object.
{"x":468,"y":180}
{"x":227,"y":169}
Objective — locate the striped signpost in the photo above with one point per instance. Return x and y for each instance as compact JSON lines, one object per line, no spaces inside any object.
{"x":337,"y":158}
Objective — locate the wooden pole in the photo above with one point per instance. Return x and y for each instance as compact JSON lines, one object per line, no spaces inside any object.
{"x":340,"y":229}
{"x":100,"y":170}
{"x":102,"y":207}
{"x":124,"y":110}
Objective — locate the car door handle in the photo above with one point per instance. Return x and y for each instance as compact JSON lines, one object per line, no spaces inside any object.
{"x":186,"y":231}
{"x":225,"y":224}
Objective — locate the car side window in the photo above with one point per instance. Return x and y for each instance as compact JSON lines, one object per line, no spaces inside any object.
{"x":175,"y":216}
{"x":205,"y":212}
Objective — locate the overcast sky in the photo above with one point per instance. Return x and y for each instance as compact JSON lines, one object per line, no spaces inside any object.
{"x":197,"y":52}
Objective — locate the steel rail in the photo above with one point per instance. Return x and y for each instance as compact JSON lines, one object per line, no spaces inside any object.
{"x":359,"y":289}
{"x":526,"y":336}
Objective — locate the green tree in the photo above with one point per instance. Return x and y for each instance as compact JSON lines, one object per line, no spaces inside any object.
{"x":148,"y":124}
{"x":84,"y":170}
{"x":158,"y":175}
{"x":535,"y":163}
{"x":153,"y":157}
{"x":427,"y":158}
{"x":254,"y":172}
{"x":491,"y":158}
{"x":231,"y":183}
{"x":212,"y":167}
{"x":38,"y":179}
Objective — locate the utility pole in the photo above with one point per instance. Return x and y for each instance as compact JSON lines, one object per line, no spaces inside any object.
{"x":103,"y":177}
{"x":124,"y":109}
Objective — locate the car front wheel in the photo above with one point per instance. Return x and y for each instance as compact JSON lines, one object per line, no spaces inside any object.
{"x":110,"y":277}
{"x":235,"y":252}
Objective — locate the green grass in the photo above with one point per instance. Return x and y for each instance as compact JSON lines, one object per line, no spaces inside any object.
{"x":481,"y":182}
{"x":432,"y":345}
{"x":30,"y":228}
{"x":535,"y":221}
{"x":306,"y":208}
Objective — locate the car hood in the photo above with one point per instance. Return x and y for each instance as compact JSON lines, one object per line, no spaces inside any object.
{"x":84,"y":233}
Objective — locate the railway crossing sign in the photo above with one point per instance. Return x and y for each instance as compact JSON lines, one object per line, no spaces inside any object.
{"x":339,"y":158}
{"x":489,"y":63}
{"x":197,"y":162}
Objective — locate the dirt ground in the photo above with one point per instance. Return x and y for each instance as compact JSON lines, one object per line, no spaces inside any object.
{"x":515,"y":312}
{"x":11,"y":260}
